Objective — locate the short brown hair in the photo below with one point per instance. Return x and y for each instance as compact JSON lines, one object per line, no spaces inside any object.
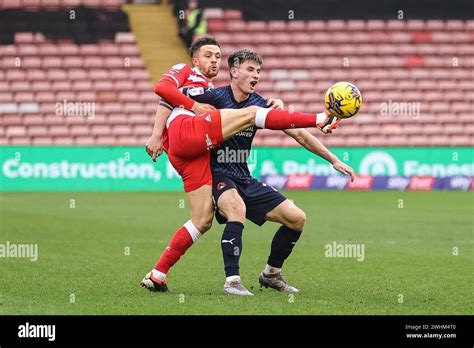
{"x":203,"y":41}
{"x":239,"y":57}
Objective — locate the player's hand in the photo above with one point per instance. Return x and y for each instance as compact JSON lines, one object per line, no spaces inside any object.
{"x":276,"y":103}
{"x":201,"y":108}
{"x":344,"y":169}
{"x":327,"y":122}
{"x":154,"y":147}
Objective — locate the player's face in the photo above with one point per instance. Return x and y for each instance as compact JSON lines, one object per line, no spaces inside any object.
{"x":247,"y":76}
{"x":208,"y":60}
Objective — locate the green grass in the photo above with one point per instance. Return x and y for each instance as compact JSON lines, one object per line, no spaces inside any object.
{"x":408,"y":251}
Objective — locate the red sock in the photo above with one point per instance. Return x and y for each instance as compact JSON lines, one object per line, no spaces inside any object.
{"x":180,"y":242}
{"x":284,"y":119}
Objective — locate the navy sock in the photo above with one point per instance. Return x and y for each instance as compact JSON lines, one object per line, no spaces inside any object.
{"x":231,"y":244}
{"x":282,"y":245}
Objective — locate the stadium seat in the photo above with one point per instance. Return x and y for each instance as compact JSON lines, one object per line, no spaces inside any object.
{"x":395,"y":60}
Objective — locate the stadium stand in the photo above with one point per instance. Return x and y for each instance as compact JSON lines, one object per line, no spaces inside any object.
{"x":394,"y":63}
{"x":45,"y":69}
{"x":421,"y":63}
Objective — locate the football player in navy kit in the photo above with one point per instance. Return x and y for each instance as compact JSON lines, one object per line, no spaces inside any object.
{"x":238,"y":195}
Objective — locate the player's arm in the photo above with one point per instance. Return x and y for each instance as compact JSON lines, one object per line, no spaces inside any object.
{"x":154,"y":145}
{"x":312,"y":144}
{"x":202,"y":95}
{"x":168,"y":88}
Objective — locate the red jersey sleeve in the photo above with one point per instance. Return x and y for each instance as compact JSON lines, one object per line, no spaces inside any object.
{"x":168,"y":86}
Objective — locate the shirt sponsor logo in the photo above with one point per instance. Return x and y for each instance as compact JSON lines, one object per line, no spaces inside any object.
{"x":194,"y":91}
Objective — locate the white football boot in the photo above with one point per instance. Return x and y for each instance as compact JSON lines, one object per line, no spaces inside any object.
{"x":236,"y":287}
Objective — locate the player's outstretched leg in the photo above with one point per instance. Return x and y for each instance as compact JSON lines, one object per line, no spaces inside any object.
{"x":234,"y":121}
{"x":202,"y":210}
{"x":293,"y":220}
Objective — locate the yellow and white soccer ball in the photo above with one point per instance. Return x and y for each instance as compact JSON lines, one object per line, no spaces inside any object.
{"x":343,"y":100}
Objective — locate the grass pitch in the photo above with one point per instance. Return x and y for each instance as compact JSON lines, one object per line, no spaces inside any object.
{"x":94,"y":248}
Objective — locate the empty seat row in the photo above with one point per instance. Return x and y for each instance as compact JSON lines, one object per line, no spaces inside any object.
{"x":56,"y":4}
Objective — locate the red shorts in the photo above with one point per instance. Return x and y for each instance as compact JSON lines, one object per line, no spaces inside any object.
{"x":190,"y":139}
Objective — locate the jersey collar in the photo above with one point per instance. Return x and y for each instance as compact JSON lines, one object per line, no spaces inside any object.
{"x":232,"y":96}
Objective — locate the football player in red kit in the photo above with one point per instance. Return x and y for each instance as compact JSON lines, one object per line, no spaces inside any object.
{"x":193,"y":129}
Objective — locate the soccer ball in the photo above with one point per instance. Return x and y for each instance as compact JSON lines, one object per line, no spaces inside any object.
{"x":343,"y":100}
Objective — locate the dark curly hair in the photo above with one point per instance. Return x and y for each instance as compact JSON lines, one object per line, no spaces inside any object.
{"x":203,"y":41}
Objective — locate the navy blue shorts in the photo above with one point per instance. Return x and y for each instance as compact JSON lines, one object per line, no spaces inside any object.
{"x":259,"y":198}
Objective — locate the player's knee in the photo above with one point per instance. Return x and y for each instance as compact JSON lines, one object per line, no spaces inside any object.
{"x":204,"y":223}
{"x":249,"y":113}
{"x":297,"y":220}
{"x":253,"y":109}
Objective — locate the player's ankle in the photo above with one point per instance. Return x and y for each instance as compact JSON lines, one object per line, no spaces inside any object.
{"x":158,"y":277}
{"x":322,"y":118}
{"x":232,"y":278}
{"x":271,"y":270}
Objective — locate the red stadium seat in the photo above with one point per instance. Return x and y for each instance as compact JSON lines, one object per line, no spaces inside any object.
{"x":125,"y":38}
{"x":397,"y":60}
{"x":435,"y":24}
{"x":22,"y":38}
{"x":376,"y":24}
{"x":355,"y":25}
{"x":294,"y":25}
{"x":396,"y":24}
{"x":84,"y":140}
{"x":277,"y":26}
{"x":217,"y":25}
{"x":455,"y":25}
{"x":463,"y":140}
{"x":419,"y":140}
{"x":100,"y":130}
{"x":37,"y":131}
{"x":256,"y":26}
{"x":398,"y":140}
{"x":59,"y":130}
{"x":211,"y":13}
{"x":42,"y":140}
{"x":315,"y":26}
{"x":232,"y":14}
{"x":27,"y":50}
{"x":15,"y":131}
{"x":79,"y":130}
{"x":416,"y":25}
{"x":63,"y":140}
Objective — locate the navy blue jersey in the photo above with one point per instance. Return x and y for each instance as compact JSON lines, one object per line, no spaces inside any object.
{"x":230,"y":159}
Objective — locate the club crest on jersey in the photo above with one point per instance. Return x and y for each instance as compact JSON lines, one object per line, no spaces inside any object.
{"x":195,"y":78}
{"x":178,"y":66}
{"x":221,"y":185}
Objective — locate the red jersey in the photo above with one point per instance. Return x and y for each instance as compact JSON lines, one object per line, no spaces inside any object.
{"x":169,"y":88}
{"x":179,"y":76}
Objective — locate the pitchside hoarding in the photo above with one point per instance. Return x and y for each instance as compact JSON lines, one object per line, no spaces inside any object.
{"x":57,"y":168}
